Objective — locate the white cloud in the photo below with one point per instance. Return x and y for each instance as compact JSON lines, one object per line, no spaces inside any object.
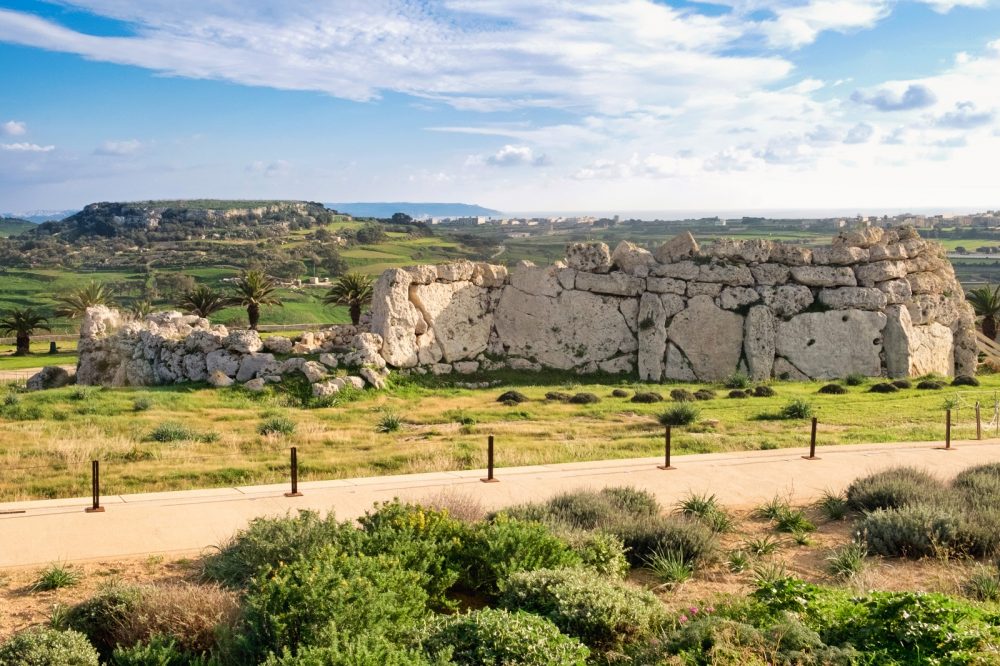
{"x":269,"y":169}
{"x":15,"y":128}
{"x":798,"y":25}
{"x":119,"y":148}
{"x":860,"y":133}
{"x":26,"y":147}
{"x":509,"y":156}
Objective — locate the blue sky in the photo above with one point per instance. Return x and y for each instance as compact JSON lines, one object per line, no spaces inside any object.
{"x":518,"y":105}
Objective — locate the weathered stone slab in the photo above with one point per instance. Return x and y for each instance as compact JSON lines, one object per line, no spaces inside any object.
{"x":632,"y":259}
{"x":758,"y":342}
{"x":840,"y":255}
{"x":911,"y":351}
{"x":710,"y":338}
{"x":711,"y":289}
{"x":824,"y":276}
{"x":680,"y":247}
{"x":615,"y":283}
{"x":857,"y":298}
{"x":824,"y":345}
{"x":456,"y":271}
{"x":879,"y":271}
{"x":664,"y":285}
{"x":864,"y":237}
{"x":791,"y":255}
{"x":537,"y":280}
{"x":896,"y":291}
{"x":458,"y":313}
{"x":652,"y":337}
{"x":893,"y":251}
{"x":754,"y":250}
{"x":734,"y":298}
{"x":926,"y":283}
{"x":677,"y":366}
{"x":394,"y":318}
{"x":589,"y":257}
{"x":682,"y":270}
{"x":733,"y":275}
{"x":771,"y":274}
{"x":786,"y":300}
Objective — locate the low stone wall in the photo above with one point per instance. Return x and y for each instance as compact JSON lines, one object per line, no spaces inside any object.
{"x":873,"y":302}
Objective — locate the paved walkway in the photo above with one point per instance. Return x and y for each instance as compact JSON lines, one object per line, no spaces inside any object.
{"x":39,"y":532}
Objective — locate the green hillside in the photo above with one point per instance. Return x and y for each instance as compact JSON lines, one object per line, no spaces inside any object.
{"x":12,"y":226}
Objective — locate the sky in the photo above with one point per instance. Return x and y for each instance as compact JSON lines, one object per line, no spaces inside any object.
{"x":518,"y":105}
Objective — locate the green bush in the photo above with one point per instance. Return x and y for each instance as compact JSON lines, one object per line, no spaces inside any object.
{"x":645,"y":536}
{"x":647,"y":397}
{"x":682,"y":395}
{"x":739,"y":394}
{"x":796,"y":409}
{"x":832,"y":505}
{"x":902,"y":383}
{"x":48,"y":647}
{"x":892,"y":488}
{"x":584,"y":399}
{"x":500,"y":637}
{"x":883,"y":387}
{"x":54,"y":577}
{"x":965,"y":380}
{"x":983,"y":584}
{"x":603,"y":614}
{"x":356,"y":650}
{"x":832,"y":389}
{"x":679,"y":415}
{"x":101,"y":617}
{"x":515,"y":397}
{"x":389,"y":422}
{"x":141,"y":404}
{"x":504,"y":546}
{"x":304,"y":602}
{"x":602,"y":552}
{"x":981,"y":484}
{"x":632,"y":501}
{"x":171,"y":431}
{"x":620,"y":393}
{"x":704,"y":394}
{"x":848,"y":561}
{"x":267,"y":542}
{"x":558,"y":396}
{"x":930,"y":385}
{"x":586,"y":509}
{"x":276,"y":425}
{"x":160,"y":651}
{"x":793,"y":520}
{"x":420,"y":539}
{"x":923,"y":530}
{"x":737,"y":380}
{"x":670,"y":567}
{"x":763,"y":392}
{"x":855,"y":379}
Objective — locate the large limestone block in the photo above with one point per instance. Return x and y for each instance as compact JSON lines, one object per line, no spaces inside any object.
{"x":927,"y":308}
{"x":652,"y":337}
{"x":966,"y":347}
{"x":589,"y":257}
{"x":570,"y":330}
{"x":788,"y":372}
{"x":619,"y":365}
{"x":632,"y":259}
{"x":893,"y":251}
{"x":677,"y":365}
{"x":912,"y":351}
{"x":456,"y":271}
{"x":786,"y":300}
{"x":680,"y":247}
{"x":537,"y":280}
{"x":734,"y":298}
{"x":423,"y":273}
{"x":772,"y":274}
{"x":615,"y":283}
{"x":224,"y":361}
{"x":49,"y":377}
{"x":840,"y":255}
{"x":672,"y":304}
{"x":896,"y":291}
{"x":857,"y":298}
{"x":243,"y":342}
{"x":824,"y":276}
{"x":629,"y":308}
{"x":682,"y":270}
{"x":665,"y":285}
{"x":755,"y":250}
{"x":863,"y":237}
{"x":394,"y":318}
{"x":489,"y":275}
{"x":758,"y":342}
{"x":278,"y":344}
{"x":710,"y":338}
{"x":927,"y":283}
{"x":256,"y":365}
{"x":824,"y":345}
{"x":879,"y":271}
{"x":711,"y":289}
{"x":729,"y":274}
{"x":100,"y":321}
{"x":791,"y":255}
{"x":458,"y":313}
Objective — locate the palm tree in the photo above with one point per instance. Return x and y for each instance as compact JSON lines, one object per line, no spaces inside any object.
{"x":353,"y":290}
{"x":23,"y":322}
{"x":986,"y":303}
{"x":203,"y":301}
{"x":74,"y":304}
{"x":140,"y":309}
{"x":254,"y":289}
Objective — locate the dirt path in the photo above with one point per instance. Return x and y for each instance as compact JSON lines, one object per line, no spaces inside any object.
{"x":39,"y":532}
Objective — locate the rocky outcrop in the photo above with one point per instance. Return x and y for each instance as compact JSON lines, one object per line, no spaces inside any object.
{"x":49,"y":377}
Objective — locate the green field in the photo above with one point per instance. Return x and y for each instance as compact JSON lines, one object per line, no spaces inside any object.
{"x":47,"y":438}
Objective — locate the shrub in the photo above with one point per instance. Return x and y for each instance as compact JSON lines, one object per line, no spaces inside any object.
{"x":81,"y":393}
{"x":603,"y":614}
{"x":761,"y":546}
{"x":848,"y":561}
{"x":902,"y":383}
{"x":892,"y":488}
{"x":494,"y":550}
{"x":161,"y":651}
{"x":276,"y":425}
{"x":632,"y":501}
{"x":582,"y":509}
{"x":48,"y":647}
{"x":171,"y":431}
{"x":557,"y":396}
{"x":855,"y":379}
{"x":647,"y":397}
{"x":620,"y":393}
{"x":679,"y":415}
{"x":983,"y":584}
{"x":602,"y":552}
{"x":965,"y":380}
{"x":704,"y":394}
{"x":793,"y":520}
{"x":645,"y":536}
{"x":981,"y":484}
{"x":356,"y":650}
{"x":737,"y":380}
{"x":459,"y":505}
{"x":301,"y":603}
{"x":11,"y":400}
{"x":833,"y":506}
{"x":55,"y":576}
{"x":796,"y":409}
{"x":695,"y":504}
{"x":682,"y":395}
{"x":491,"y":636}
{"x":101,"y":617}
{"x":883,"y":387}
{"x":763,"y":392}
{"x":832,"y":389}
{"x":930,"y":385}
{"x":718,"y":521}
{"x":141,"y":404}
{"x":389,"y":422}
{"x":738,"y":394}
{"x":772,"y":509}
{"x":670,"y":567}
{"x":515,"y":397}
{"x":922,"y":530}
{"x":584,"y":399}
{"x":267,"y":542}
{"x":738,"y":561}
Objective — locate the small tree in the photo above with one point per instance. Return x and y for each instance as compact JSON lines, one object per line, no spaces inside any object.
{"x":74,"y":304}
{"x":23,"y":322}
{"x":202,"y":301}
{"x":254,"y":289}
{"x":353,"y":290}
{"x":985,"y":301}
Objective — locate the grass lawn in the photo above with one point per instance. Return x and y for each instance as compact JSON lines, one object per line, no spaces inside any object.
{"x":54,"y":434}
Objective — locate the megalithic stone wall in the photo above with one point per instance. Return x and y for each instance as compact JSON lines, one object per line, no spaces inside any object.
{"x":876,"y":302}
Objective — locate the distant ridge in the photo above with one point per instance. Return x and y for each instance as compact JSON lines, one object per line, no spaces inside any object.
{"x":386,"y":209}
{"x":39,"y":216}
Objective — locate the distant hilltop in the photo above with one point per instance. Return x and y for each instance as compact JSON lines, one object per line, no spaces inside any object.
{"x":418,"y":210}
{"x":39,"y":216}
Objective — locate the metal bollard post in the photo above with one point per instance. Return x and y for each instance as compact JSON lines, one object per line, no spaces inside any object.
{"x":979,"y":422}
{"x":95,"y":488}
{"x":666,"y":451}
{"x":812,"y":443}
{"x":295,"y":474}
{"x":489,"y":463}
{"x":947,"y":429}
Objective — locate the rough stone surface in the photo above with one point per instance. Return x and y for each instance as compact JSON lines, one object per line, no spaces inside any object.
{"x":615,"y":283}
{"x":680,"y":247}
{"x":746,"y":251}
{"x":896,"y":291}
{"x":728,"y":274}
{"x":256,"y":365}
{"x":710,"y":289}
{"x":325,"y":389}
{"x":677,"y":365}
{"x":770,"y":274}
{"x":632,"y":259}
{"x":911,"y":351}
{"x":813,"y":342}
{"x":459,"y":315}
{"x":786,"y":300}
{"x":589,"y":257}
{"x":457,"y":271}
{"x":652,"y":337}
{"x":313,"y":371}
{"x":734,"y":298}
{"x":824,"y":276}
{"x":243,"y":342}
{"x":49,"y":377}
{"x":278,"y":344}
{"x":394,"y":318}
{"x":255,"y":385}
{"x":839,"y":255}
{"x":329,"y":360}
{"x":759,"y":342}
{"x":219,"y":379}
{"x":791,"y":255}
{"x":869,"y":274}
{"x":664,"y":285}
{"x":711,"y":339}
{"x":859,"y":298}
